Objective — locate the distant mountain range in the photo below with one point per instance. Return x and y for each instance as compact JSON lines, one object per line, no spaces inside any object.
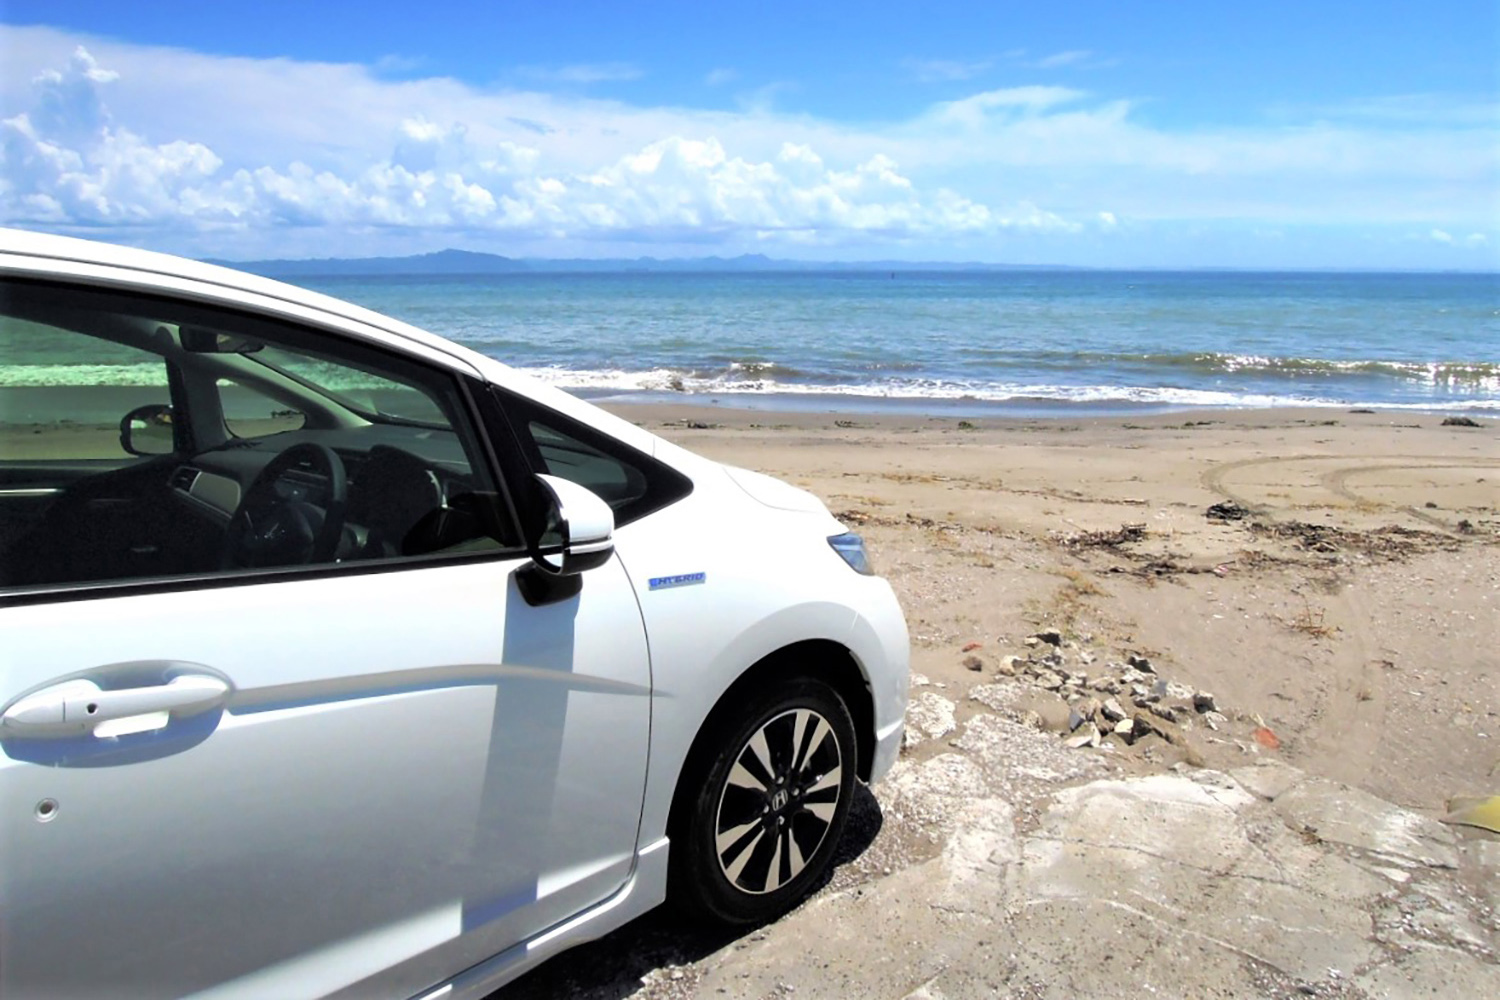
{"x":469,"y":262}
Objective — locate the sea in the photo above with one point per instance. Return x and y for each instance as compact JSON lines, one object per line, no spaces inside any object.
{"x":974,"y":342}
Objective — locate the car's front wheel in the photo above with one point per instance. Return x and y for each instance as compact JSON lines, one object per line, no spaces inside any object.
{"x":766,"y":806}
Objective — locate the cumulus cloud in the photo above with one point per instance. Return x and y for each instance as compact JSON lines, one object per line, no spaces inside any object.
{"x":69,"y":161}
{"x":66,"y":160}
{"x":270,"y":151}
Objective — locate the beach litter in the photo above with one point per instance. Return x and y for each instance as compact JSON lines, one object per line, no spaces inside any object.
{"x":1483,"y":813}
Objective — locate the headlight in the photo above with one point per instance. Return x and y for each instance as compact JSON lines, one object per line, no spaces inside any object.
{"x":852,"y":548}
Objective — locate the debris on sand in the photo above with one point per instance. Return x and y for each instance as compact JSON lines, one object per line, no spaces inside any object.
{"x":1460,"y":422}
{"x":1227,"y":510}
{"x":1123,"y":535}
{"x":1390,"y":542}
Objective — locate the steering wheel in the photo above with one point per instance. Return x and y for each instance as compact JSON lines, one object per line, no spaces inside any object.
{"x":278,"y":523}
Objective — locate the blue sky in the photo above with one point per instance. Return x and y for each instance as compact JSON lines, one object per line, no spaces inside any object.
{"x":1160,"y":134}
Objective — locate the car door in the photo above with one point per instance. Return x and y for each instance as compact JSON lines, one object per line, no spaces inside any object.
{"x":364,"y":772}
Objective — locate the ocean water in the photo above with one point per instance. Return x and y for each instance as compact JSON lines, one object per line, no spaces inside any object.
{"x":1035,"y":341}
{"x":1031,"y":340}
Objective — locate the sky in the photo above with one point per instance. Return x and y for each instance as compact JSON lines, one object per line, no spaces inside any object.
{"x":1318,"y":133}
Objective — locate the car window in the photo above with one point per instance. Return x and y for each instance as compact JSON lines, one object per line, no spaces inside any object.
{"x":633,"y":483}
{"x":205,"y":460}
{"x":62,"y":394}
{"x":249,"y":413}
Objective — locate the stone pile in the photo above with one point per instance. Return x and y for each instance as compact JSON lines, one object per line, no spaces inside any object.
{"x":1125,"y":700}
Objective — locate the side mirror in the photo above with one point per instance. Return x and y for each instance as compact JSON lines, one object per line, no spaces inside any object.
{"x":579,"y":534}
{"x":148,"y":430}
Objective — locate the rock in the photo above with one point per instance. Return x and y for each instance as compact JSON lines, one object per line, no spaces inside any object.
{"x":1049,"y":680}
{"x":1140,"y":663}
{"x":1009,"y":665}
{"x":1204,"y":702}
{"x":1460,"y":422}
{"x":1112,"y":710}
{"x":1349,"y":816}
{"x":1105,"y":685}
{"x":928,"y":716}
{"x":1167,"y":712}
{"x":1125,"y":728}
{"x":1213,"y":720}
{"x":973,"y":663}
{"x":1032,"y":640}
{"x":1051,"y":637}
{"x":1075,"y":719}
{"x":1088,"y":708}
{"x":1087,"y":736}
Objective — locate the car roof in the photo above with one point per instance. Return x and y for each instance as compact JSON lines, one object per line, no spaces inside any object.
{"x":28,"y":252}
{"x":226,"y":281}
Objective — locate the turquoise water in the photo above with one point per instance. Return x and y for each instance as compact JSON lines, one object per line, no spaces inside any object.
{"x":1126,"y":339}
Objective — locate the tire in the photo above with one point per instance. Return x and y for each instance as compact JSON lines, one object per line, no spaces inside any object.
{"x":752,"y":840}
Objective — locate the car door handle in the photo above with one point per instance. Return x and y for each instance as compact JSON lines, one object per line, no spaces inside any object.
{"x":79,"y":705}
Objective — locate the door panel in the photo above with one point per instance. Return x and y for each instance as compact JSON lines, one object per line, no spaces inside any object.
{"x":413,"y":769}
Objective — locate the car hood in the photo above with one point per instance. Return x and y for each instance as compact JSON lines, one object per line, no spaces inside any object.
{"x":774,"y":493}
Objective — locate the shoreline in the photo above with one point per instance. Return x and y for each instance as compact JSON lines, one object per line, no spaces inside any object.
{"x":675,"y":411}
{"x":792,"y":403}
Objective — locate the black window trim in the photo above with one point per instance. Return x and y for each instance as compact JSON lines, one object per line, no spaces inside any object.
{"x":664,"y":484}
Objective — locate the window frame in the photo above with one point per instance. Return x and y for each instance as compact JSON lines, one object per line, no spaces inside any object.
{"x":664,"y":484}
{"x":454,"y":388}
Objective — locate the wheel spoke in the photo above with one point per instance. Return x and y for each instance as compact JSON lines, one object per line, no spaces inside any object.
{"x":773,"y":873}
{"x":820,"y":733}
{"x":822,"y":810}
{"x":762,"y":752}
{"x":799,"y":729}
{"x":744,"y":779}
{"x":798,"y":863}
{"x":829,"y":780}
{"x":743,"y":858}
{"x":727,"y":840}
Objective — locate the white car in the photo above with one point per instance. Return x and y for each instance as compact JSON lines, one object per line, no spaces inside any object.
{"x":336,"y":658}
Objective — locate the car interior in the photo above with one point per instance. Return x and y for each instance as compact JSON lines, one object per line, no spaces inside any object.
{"x":147,"y":442}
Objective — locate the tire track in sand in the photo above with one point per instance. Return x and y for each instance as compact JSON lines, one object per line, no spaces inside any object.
{"x":1336,"y":480}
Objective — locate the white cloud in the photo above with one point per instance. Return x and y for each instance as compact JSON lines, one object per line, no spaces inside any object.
{"x":1069,"y":58}
{"x":437,"y":174}
{"x":583,"y":72}
{"x":258,"y":151}
{"x":941,"y":70}
{"x":1439,"y":236}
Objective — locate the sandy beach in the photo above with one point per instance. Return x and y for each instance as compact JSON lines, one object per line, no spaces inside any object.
{"x":1351,"y":615}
